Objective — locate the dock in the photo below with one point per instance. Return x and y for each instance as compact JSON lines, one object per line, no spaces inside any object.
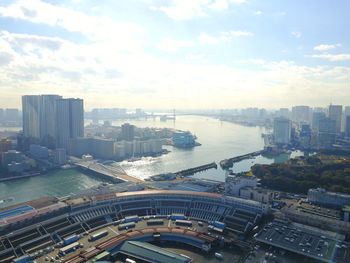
{"x":197,"y":169}
{"x":114,"y":174}
{"x":228,"y":163}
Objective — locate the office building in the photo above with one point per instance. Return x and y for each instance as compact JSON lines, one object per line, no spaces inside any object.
{"x":316,"y":117}
{"x":38,"y":152}
{"x":322,"y":197}
{"x":283,"y":112}
{"x":52,"y":120}
{"x":301,"y":114}
{"x":70,"y":119}
{"x":31,"y":108}
{"x":282,"y":130}
{"x":12,"y":114}
{"x":2,"y":114}
{"x":234,"y":183}
{"x":335,"y":113}
{"x":128,"y":132}
{"x":326,"y":133}
{"x":60,"y":156}
{"x":5,"y":145}
{"x":347,"y":126}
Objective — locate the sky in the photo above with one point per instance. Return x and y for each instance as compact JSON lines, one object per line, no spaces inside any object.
{"x":183,"y":54}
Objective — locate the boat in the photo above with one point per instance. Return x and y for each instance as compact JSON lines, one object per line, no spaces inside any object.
{"x":218,"y":255}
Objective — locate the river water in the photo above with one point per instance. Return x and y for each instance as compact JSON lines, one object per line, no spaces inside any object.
{"x":220,"y":140}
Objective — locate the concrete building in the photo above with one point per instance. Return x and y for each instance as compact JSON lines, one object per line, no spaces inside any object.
{"x":335,"y":113}
{"x":60,"y":156}
{"x":150,"y":253}
{"x":326,"y":133}
{"x":70,"y":117}
{"x":12,"y":156}
{"x":301,"y":114}
{"x":5,"y":145}
{"x":347,"y":126}
{"x":11,"y":115}
{"x":100,"y":148}
{"x":322,"y":197}
{"x":256,"y":194}
{"x":38,"y":152}
{"x":2,"y":114}
{"x":183,"y":139}
{"x":316,"y":117}
{"x":52,"y":120}
{"x":128,"y":132}
{"x":234,"y":183}
{"x":282,"y":130}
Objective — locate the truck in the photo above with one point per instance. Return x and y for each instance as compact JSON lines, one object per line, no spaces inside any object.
{"x":126,"y":226}
{"x":70,"y":239}
{"x":129,"y":219}
{"x":153,"y":222}
{"x":218,"y":224}
{"x":180,"y":222}
{"x":177,"y":216}
{"x":65,"y":250}
{"x":22,"y":259}
{"x":98,"y":235}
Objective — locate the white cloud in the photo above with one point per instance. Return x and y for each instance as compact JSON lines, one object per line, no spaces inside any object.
{"x":258,"y":12}
{"x":296,"y":34}
{"x":325,"y":47}
{"x":230,"y":34}
{"x":181,"y":9}
{"x":196,"y":57}
{"x":333,"y":57}
{"x":204,"y":38}
{"x":123,"y":35}
{"x":170,"y":45}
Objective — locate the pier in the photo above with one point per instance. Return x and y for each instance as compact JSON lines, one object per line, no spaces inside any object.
{"x":197,"y":169}
{"x":114,"y":174}
{"x":227,"y":163}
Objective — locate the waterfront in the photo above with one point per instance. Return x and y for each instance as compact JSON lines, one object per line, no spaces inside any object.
{"x":220,"y":140}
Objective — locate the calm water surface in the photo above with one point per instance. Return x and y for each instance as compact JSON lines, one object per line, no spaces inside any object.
{"x":220,"y":140}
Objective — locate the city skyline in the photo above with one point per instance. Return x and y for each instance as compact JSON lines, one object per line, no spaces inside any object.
{"x":202,"y":54}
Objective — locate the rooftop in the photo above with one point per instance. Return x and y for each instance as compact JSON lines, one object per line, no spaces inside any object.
{"x":150,"y":252}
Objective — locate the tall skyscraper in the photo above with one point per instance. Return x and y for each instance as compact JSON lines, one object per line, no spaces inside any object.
{"x":52,"y":120}
{"x":316,"y":117}
{"x":128,"y":132}
{"x":70,"y":120}
{"x":48,"y":121}
{"x":282,"y":130}
{"x":326,"y":132}
{"x":31,"y":108}
{"x":301,"y":114}
{"x":335,"y":113}
{"x":347,"y":126}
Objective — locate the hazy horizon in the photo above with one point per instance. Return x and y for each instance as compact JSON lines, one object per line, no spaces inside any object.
{"x":196,"y":54}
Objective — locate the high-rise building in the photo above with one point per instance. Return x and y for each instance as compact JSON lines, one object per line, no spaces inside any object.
{"x":326,"y":132}
{"x":11,"y":114}
{"x":48,"y":121}
{"x":347,"y":126}
{"x":282,"y":130}
{"x":301,"y":114}
{"x":316,"y":117}
{"x":52,"y":120}
{"x":31,"y":108}
{"x":70,"y":120}
{"x":128,"y":132}
{"x":335,"y":113}
{"x":283,"y":112}
{"x":2,"y":115}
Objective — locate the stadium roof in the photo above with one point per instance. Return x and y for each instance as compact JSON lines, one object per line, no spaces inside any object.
{"x":153,"y":253}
